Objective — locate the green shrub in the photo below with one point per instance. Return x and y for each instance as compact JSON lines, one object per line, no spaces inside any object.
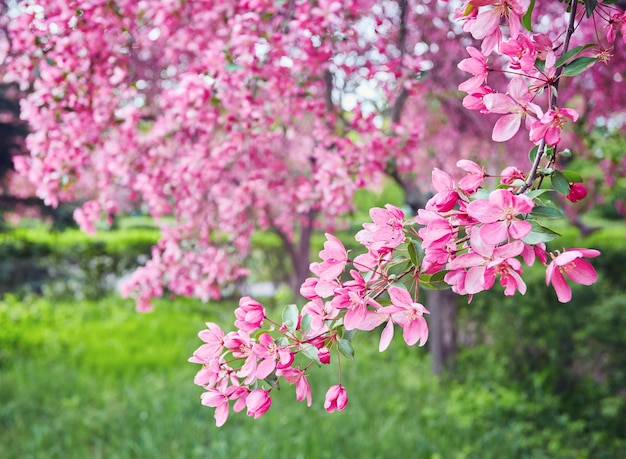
{"x":70,"y":262}
{"x":571,"y":353}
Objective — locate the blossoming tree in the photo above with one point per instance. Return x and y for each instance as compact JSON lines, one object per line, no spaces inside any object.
{"x":225,"y":117}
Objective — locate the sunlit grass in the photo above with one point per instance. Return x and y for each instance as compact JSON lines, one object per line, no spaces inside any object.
{"x":97,"y":379}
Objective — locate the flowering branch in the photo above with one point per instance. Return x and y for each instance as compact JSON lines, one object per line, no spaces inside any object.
{"x":469,"y":235}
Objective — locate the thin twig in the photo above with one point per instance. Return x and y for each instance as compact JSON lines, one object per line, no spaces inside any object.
{"x":553,"y":101}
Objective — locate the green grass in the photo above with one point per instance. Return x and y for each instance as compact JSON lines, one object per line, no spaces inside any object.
{"x":98,"y":380}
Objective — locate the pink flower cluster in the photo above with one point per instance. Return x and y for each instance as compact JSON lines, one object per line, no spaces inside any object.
{"x":533,"y":64}
{"x":477,"y":237}
{"x":466,"y":237}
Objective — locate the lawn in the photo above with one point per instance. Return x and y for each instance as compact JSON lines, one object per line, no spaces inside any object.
{"x":97,"y":379}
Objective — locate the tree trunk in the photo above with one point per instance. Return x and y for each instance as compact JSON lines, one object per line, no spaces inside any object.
{"x":299,"y":254}
{"x":442,"y":339}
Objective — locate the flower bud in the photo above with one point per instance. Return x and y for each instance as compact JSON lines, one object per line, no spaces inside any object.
{"x":336,"y":398}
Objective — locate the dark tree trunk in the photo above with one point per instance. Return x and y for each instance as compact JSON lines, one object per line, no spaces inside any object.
{"x":299,"y":254}
{"x":442,"y":340}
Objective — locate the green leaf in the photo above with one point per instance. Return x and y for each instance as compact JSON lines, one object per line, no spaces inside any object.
{"x":540,"y":234}
{"x":540,"y":65}
{"x":567,"y":153}
{"x":578,"y":66}
{"x":559,"y":182}
{"x":272,"y":379}
{"x":590,"y":5}
{"x":547,"y":212}
{"x":413,"y":253}
{"x":305,"y":325}
{"x":572,"y":176}
{"x":518,"y":182}
{"x":312,"y":353}
{"x":527,"y":18}
{"x":571,"y":54}
{"x":481,"y":193}
{"x":232,"y":67}
{"x":354,"y":137}
{"x":536,"y":193}
{"x":532,"y":154}
{"x":348,"y":334}
{"x":290,"y":317}
{"x":434,"y":281}
{"x":345,"y":348}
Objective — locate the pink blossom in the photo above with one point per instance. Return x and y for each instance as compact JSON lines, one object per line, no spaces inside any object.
{"x":499,"y":215}
{"x":476,"y":99}
{"x":456,"y":279}
{"x":477,"y":66}
{"x":271,"y":356}
{"x":511,"y":174}
{"x":446,"y":197}
{"x":352,"y":298}
{"x":336,"y":398}
{"x":298,"y":377}
{"x":521,"y":53}
{"x":213,"y":337}
{"x":570,"y":263}
{"x":324,"y":355}
{"x":531,"y":252}
{"x":515,"y":106}
{"x":250,"y":314}
{"x":437,"y":232}
{"x":307,"y":289}
{"x":616,"y":22}
{"x":334,"y":256}
{"x":213,"y":372}
{"x":486,"y":25}
{"x":407,"y":314}
{"x":219,"y":399}
{"x":549,"y":126}
{"x":474,"y":178}
{"x":484,"y":263}
{"x":388,"y":225}
{"x":258,"y":402}
{"x":320,"y":312}
{"x":240,"y":345}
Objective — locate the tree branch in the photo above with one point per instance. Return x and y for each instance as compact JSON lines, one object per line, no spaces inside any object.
{"x":553,"y":100}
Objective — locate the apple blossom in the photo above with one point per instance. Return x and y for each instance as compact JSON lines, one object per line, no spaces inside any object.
{"x":258,"y":402}
{"x":571,"y":264}
{"x":499,"y":215}
{"x":249,"y":314}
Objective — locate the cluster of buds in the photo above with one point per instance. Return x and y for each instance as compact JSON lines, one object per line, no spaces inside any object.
{"x":465,"y":238}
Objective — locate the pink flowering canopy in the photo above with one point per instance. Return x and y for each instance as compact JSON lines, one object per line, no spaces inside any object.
{"x":224,"y":117}
{"x":220,"y":118}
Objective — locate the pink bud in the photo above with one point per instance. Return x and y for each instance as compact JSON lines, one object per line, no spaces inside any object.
{"x":258,"y":402}
{"x":250,"y":314}
{"x":577,"y":192}
{"x":336,"y":398}
{"x":324,"y":355}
